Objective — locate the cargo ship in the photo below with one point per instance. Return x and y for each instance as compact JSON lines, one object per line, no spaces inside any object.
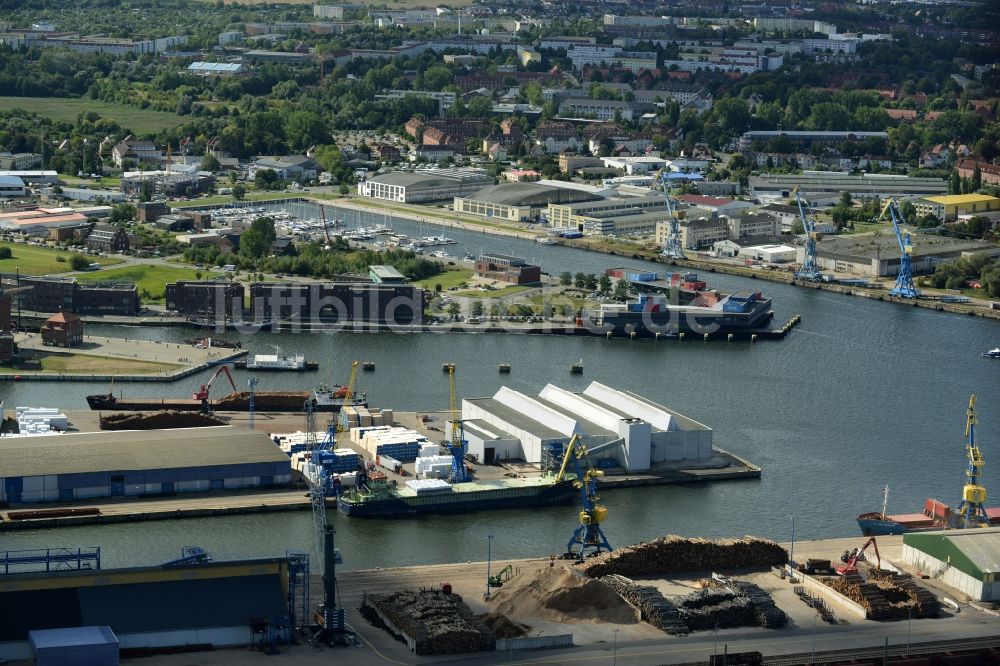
{"x":277,"y":362}
{"x":690,"y":308}
{"x":937,"y":515}
{"x":379,"y":498}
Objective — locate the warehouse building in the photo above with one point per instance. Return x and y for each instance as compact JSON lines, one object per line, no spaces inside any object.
{"x":216,"y":299}
{"x":332,"y":303}
{"x":121,"y":464}
{"x":424,"y":185}
{"x":206,"y":603}
{"x":616,"y":215}
{"x":641,"y":433}
{"x":518,"y":202}
{"x":950,"y":207}
{"x":878,"y":256}
{"x":825,"y":188}
{"x":965,"y":560}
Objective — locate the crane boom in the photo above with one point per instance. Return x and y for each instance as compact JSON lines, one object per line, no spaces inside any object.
{"x":588,"y":535}
{"x":326,"y":227}
{"x":810,"y":267}
{"x":202,"y":393}
{"x":457,"y":439}
{"x":672,"y":245}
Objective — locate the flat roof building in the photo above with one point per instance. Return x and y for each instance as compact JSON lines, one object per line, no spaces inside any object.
{"x":831,"y":185}
{"x":515,"y":202}
{"x":506,"y":268}
{"x":386,"y":275}
{"x":424,"y":185}
{"x":871,"y":255}
{"x":109,"y":464}
{"x":950,"y":207}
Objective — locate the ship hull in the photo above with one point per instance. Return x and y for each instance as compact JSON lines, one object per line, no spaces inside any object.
{"x":309,"y":366}
{"x":678,"y":319}
{"x":262,"y":403}
{"x":557,"y":494}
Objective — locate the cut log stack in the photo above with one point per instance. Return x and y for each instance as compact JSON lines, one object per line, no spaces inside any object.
{"x":887,"y":597}
{"x":158,"y":420}
{"x":674,"y":554}
{"x":707,"y":609}
{"x":768,"y":614}
{"x":656,"y":609}
{"x":439,"y":623}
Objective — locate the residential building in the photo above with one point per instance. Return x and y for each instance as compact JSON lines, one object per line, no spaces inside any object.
{"x":555,"y":137}
{"x":505,"y":268}
{"x":335,"y":12}
{"x":989,"y":173}
{"x":592,"y":54}
{"x":136,"y":151}
{"x":600,"y":109}
{"x":807,"y":139}
{"x":108,"y":238}
{"x":748,"y":226}
{"x":948,"y":208}
{"x":445,"y":100}
{"x":424,"y":185}
{"x":636,"y":61}
{"x":20,"y":161}
{"x":63,"y":329}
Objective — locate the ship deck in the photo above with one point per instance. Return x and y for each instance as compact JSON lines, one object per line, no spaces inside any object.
{"x":478,"y":486}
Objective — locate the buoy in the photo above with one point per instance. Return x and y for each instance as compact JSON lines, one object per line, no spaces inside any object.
{"x":680,"y":336}
{"x":753,"y":338}
{"x":729,"y":338}
{"x":706,"y":337}
{"x":608,"y":334}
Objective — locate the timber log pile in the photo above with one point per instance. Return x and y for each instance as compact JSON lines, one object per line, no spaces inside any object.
{"x":716,"y":607}
{"x":439,"y":623}
{"x":675,"y":554}
{"x":656,"y":609}
{"x":769,"y":616}
{"x":157,"y":420}
{"x":927,"y":605}
{"x":883,"y":598}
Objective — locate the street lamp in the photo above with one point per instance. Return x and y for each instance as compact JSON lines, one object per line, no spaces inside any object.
{"x":614,"y":650}
{"x":489,"y":562}
{"x":909,"y":616}
{"x":813,"y":659}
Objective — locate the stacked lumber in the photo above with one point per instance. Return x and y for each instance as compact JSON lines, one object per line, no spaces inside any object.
{"x":439,"y":623}
{"x":767,"y":612}
{"x":881,"y":597}
{"x":707,"y":609}
{"x":158,"y":420}
{"x":656,"y":609}
{"x":925,"y":603}
{"x":675,"y":554}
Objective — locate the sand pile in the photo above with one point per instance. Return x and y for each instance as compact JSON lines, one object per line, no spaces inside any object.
{"x":563,"y":594}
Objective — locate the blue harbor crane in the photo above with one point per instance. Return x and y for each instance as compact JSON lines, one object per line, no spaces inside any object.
{"x":672,"y":245}
{"x":904,"y":287}
{"x":973,"y":494}
{"x":457,"y":443}
{"x":252,"y":384}
{"x":810,"y":267}
{"x":588,"y":538}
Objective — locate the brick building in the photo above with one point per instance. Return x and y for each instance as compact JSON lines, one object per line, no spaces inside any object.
{"x":150,"y":210}
{"x":63,"y":329}
{"x":55,"y":294}
{"x":108,"y":238}
{"x":217,"y":300}
{"x":506,"y":268}
{"x":336,"y":303}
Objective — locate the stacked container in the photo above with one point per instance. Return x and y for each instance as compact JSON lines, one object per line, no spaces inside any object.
{"x":429,"y":486}
{"x":433,"y":467}
{"x":40,"y":420}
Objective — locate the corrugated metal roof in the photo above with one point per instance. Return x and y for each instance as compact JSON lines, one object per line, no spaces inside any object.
{"x":981,"y":546}
{"x":135,"y":450}
{"x":72,"y":637}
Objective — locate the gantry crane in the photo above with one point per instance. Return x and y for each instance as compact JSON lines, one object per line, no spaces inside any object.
{"x":588,"y":535}
{"x":457,"y":442}
{"x":810,"y":267}
{"x":973,"y":494}
{"x":904,"y":287}
{"x":202,"y":393}
{"x":672,"y":245}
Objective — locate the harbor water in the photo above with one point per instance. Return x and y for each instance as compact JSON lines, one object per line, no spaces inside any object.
{"x":860,"y":395}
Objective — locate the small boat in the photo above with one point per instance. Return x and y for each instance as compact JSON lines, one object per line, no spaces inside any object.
{"x":505,"y":368}
{"x":576,"y":368}
{"x":545,"y":240}
{"x":368,"y":366}
{"x":447,"y":367}
{"x":993,"y":353}
{"x":277,"y":361}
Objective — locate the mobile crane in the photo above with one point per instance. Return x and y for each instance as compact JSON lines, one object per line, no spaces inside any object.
{"x":202,"y":393}
{"x":850,"y":558}
{"x":588,"y":536}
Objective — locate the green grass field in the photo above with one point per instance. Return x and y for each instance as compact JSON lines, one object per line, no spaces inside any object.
{"x":450,"y":278}
{"x":85,"y":364}
{"x":495,"y":293}
{"x":33,"y":260}
{"x":151,"y":279}
{"x":66,"y":109}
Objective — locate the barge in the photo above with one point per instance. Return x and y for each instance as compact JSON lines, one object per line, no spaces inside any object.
{"x":687,"y":306}
{"x":277,"y":362}
{"x":323,"y":400}
{"x":380,"y":498}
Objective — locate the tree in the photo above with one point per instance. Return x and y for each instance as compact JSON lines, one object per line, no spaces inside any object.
{"x":454,"y":309}
{"x":5,"y":253}
{"x":580,"y":280}
{"x":146,"y":191}
{"x":239,"y":191}
{"x":256,"y":241}
{"x":210,"y":163}
{"x":304,"y":129}
{"x":908,"y":210}
{"x":977,"y":179}
{"x":604,"y":284}
{"x":565,"y":278}
{"x":78,"y":262}
{"x":622,"y":290}
{"x":266,"y":179}
{"x":477,"y":308}
{"x":954,"y":183}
